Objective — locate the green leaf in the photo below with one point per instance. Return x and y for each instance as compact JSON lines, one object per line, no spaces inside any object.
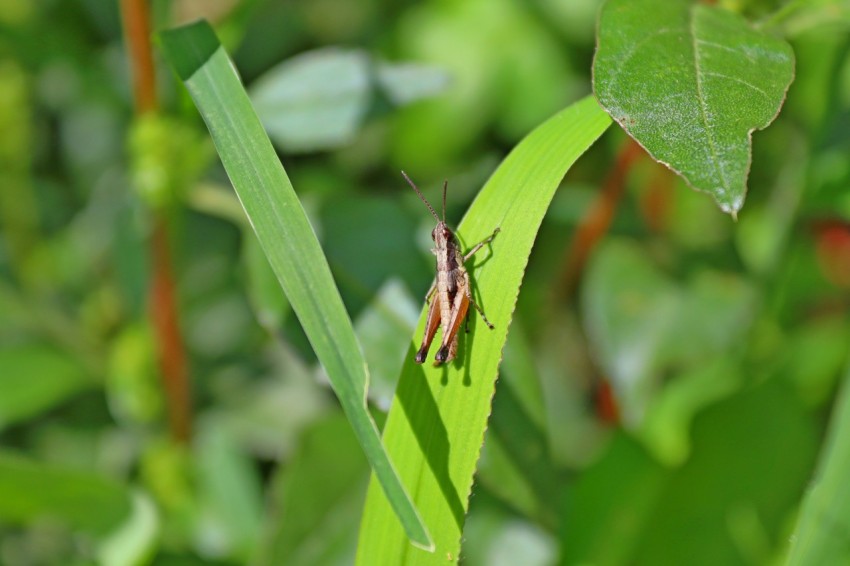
{"x":268,"y":303}
{"x":315,"y":100}
{"x":752,"y":454}
{"x":436,"y":425}
{"x":515,"y":463}
{"x":645,"y":325}
{"x":821,"y":534}
{"x":384,"y":328}
{"x":230,"y":488}
{"x":360,"y":253}
{"x":318,"y":100}
{"x":493,"y":535}
{"x":611,"y":505}
{"x":286,"y":237}
{"x":725,"y":505}
{"x":35,"y":378}
{"x":408,"y":82}
{"x":267,"y":414}
{"x":628,"y":320}
{"x":509,"y":74}
{"x":135,"y":541}
{"x":30,"y":490}
{"x":666,"y":428}
{"x":815,"y":356}
{"x":690,"y":83}
{"x":316,"y":498}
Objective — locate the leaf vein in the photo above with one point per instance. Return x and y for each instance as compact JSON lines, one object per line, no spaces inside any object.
{"x":703,"y":107}
{"x":718,"y":46}
{"x":737,"y":80}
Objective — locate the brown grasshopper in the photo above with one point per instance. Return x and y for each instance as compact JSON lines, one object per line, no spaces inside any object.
{"x":451,"y":292}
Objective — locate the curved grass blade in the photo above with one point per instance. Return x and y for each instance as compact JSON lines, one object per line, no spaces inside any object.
{"x":824,"y":525}
{"x":287,"y":239}
{"x":436,"y":425}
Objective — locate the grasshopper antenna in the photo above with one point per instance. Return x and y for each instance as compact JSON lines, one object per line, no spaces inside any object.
{"x":428,"y":204}
{"x":445,"y":186}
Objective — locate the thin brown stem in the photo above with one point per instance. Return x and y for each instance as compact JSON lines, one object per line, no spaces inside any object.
{"x":655,"y":200}
{"x":598,"y":218}
{"x":136,"y":19}
{"x":172,"y":354}
{"x":162,"y":302}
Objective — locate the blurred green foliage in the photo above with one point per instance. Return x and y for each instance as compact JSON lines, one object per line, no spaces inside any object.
{"x":670,"y":410}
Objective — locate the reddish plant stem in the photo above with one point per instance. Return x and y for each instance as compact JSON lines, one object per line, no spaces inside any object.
{"x":655,"y":201}
{"x":172,"y":353}
{"x":598,"y":218}
{"x":136,"y":19}
{"x":605,"y":402}
{"x":162,"y":297}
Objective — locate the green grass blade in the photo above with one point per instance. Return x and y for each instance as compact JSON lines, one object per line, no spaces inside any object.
{"x":821,"y":534}
{"x":436,"y":426}
{"x":287,"y":239}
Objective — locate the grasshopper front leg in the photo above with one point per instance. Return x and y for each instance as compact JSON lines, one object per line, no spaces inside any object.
{"x":481,"y":244}
{"x":431,"y":292}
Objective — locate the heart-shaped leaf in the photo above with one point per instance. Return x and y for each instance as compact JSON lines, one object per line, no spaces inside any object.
{"x":690,"y":83}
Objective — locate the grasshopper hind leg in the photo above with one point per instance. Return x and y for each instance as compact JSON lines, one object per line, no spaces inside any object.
{"x":432,"y":323}
{"x":479,"y":309}
{"x":447,"y":352}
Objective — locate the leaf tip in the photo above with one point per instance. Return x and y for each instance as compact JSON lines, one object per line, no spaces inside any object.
{"x":731,"y":206}
{"x":425,"y":544}
{"x":188,"y":47}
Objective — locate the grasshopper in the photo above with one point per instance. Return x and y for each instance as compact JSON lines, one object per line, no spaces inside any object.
{"x":450,"y":295}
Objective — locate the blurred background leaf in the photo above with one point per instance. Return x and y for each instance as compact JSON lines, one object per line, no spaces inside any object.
{"x":318,"y":100}
{"x":36,"y":378}
{"x":32,"y":491}
{"x":317,"y":499}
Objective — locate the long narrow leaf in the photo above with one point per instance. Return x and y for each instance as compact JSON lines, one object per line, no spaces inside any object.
{"x":436,"y":425}
{"x":821,"y":534}
{"x":287,"y":239}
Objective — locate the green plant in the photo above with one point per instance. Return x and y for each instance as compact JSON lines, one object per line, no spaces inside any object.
{"x":656,"y":393}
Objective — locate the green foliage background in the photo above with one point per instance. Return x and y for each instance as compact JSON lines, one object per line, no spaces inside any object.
{"x":722,"y":343}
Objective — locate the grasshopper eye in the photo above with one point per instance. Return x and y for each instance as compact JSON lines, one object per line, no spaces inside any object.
{"x":434,"y":234}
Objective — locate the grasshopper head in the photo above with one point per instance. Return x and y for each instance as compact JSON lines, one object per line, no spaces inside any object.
{"x":442,"y":235}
